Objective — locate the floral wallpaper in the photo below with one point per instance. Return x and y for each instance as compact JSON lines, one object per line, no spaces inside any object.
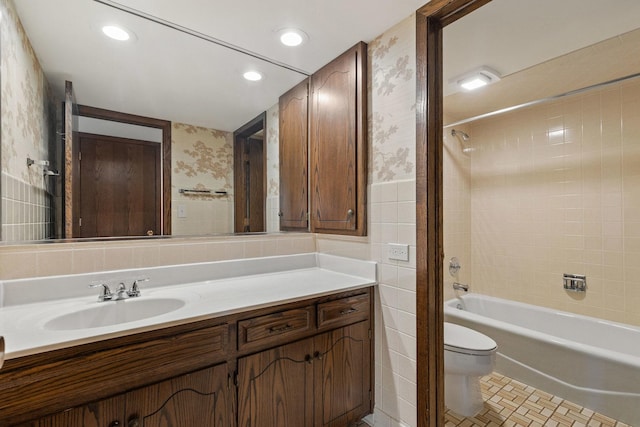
{"x":28,"y":110}
{"x":273,"y":169}
{"x":27,"y":106}
{"x":273,"y":149}
{"x":202,"y":159}
{"x":392,"y":104}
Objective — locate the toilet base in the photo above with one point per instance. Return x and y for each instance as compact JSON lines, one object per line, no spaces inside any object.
{"x":462,"y":394}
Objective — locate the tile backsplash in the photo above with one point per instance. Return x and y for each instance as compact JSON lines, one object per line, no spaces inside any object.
{"x":37,"y":260}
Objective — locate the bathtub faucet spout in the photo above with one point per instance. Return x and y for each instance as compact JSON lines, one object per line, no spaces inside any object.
{"x":460,"y":287}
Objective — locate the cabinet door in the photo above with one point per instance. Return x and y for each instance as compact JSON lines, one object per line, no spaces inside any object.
{"x":275,"y":387}
{"x":342,"y":365}
{"x":293,"y":135}
{"x":198,"y":399}
{"x":104,"y":413}
{"x":338,"y":144}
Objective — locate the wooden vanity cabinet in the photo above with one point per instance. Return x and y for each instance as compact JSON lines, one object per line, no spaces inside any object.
{"x":307,"y":363}
{"x":104,"y":413}
{"x":320,"y":381}
{"x":197,"y":399}
{"x":338,"y":144}
{"x":293,"y":136}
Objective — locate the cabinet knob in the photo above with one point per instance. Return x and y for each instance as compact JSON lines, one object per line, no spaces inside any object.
{"x":114,"y":423}
{"x":134,"y":422}
{"x":308,"y":359}
{"x":317,"y":355}
{"x":280,"y":213}
{"x":349,"y":213}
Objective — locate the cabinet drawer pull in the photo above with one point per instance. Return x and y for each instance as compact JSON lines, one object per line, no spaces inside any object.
{"x":308,"y":359}
{"x":348,"y":311}
{"x":277,"y":329}
{"x":317,"y":355}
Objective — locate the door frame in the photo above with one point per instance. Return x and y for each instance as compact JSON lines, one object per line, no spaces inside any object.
{"x":430,"y":20}
{"x":165,"y":127}
{"x":240,"y":135}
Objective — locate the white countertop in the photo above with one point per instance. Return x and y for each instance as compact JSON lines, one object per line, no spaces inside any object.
{"x":22,"y":318}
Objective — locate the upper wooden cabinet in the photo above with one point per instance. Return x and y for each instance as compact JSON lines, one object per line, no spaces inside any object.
{"x":338,"y":144}
{"x":294,"y":199}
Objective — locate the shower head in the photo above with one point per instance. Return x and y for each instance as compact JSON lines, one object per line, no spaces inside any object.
{"x":465,"y":137}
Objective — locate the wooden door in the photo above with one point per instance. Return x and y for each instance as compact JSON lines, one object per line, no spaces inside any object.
{"x":199,"y":399}
{"x":119,"y":187}
{"x":342,"y":372}
{"x":249,"y":183}
{"x":249,"y":180}
{"x":293,"y":135}
{"x":104,"y":413}
{"x":338,"y":144}
{"x":275,"y":387}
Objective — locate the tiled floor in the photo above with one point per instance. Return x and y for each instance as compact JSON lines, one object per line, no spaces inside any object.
{"x":511,"y":403}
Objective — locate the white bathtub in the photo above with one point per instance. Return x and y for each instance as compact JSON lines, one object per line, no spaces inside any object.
{"x":594,"y":363}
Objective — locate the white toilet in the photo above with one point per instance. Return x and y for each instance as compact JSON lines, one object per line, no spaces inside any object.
{"x":468,"y":355}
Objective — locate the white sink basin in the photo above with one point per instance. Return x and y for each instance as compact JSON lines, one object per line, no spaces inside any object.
{"x":113,"y":313}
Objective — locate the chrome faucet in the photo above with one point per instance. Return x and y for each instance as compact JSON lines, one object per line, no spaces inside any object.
{"x":121,"y":293}
{"x":105,"y":294}
{"x":460,"y":287}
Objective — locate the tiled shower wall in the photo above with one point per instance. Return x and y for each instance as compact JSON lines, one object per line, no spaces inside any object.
{"x":555,"y":188}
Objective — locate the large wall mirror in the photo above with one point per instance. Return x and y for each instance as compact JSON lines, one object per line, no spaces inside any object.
{"x":164,"y":71}
{"x":183,"y":63}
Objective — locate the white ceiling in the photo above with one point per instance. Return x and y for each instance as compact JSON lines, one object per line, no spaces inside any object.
{"x":171,"y":75}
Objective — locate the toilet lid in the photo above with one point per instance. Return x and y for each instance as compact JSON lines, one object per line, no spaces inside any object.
{"x":464,"y":340}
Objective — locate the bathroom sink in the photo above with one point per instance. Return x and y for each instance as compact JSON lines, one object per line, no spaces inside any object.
{"x":114,"y":313}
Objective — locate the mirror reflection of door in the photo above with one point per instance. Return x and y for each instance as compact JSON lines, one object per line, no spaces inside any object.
{"x":118,"y":192}
{"x":249,"y":157}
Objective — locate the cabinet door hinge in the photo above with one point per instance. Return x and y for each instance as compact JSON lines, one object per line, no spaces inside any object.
{"x":235,"y":378}
{"x":369,"y":333}
{"x":370,"y":395}
{"x":307,"y":216}
{"x":80,"y":222}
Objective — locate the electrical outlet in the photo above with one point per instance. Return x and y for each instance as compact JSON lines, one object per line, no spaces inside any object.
{"x":398,"y":252}
{"x":182,"y":211}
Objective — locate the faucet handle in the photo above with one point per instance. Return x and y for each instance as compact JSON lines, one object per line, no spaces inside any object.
{"x":135,"y":290}
{"x":106,"y":294}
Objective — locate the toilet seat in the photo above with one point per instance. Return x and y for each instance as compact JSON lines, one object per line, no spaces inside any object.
{"x":467,"y":341}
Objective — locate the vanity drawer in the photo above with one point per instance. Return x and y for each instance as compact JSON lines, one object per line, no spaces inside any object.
{"x":344,"y":311}
{"x":274,"y":328}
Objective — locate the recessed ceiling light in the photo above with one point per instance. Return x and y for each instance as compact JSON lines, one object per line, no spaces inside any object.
{"x":474,"y":82}
{"x":477,"y":78}
{"x":116,"y":33}
{"x":253,"y":76}
{"x":292,"y":36}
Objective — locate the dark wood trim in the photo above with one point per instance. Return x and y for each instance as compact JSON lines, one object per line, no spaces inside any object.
{"x":240,"y":136}
{"x":430,"y":20}
{"x":254,"y":125}
{"x":165,"y":126}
